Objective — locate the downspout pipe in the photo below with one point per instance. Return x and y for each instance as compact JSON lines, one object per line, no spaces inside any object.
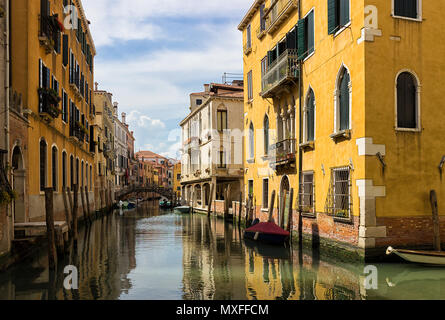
{"x":300,"y":140}
{"x":7,"y":81}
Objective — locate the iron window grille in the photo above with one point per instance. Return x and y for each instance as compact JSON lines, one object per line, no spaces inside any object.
{"x":306,"y":193}
{"x":341,"y":187}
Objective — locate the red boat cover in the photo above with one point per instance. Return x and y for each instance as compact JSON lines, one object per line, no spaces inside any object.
{"x":269,"y":228}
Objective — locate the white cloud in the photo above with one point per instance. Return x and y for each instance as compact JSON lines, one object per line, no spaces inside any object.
{"x":118,"y":19}
{"x":144,"y":121}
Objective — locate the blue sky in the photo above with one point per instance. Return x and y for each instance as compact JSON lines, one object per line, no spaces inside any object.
{"x":152,"y":54}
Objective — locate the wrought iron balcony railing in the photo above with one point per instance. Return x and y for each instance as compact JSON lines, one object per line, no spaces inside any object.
{"x":280,"y":72}
{"x":49,"y":103}
{"x":49,"y":35}
{"x":283,"y":153}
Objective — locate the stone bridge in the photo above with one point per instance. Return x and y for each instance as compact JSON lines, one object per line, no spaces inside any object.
{"x":168,"y":193}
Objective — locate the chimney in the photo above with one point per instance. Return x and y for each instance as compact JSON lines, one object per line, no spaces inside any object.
{"x":124,"y":116}
{"x":116,"y":104}
{"x":96,"y":84}
{"x":207,"y":88}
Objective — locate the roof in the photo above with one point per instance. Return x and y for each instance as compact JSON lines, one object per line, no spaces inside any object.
{"x":149,"y":154}
{"x":249,"y":15}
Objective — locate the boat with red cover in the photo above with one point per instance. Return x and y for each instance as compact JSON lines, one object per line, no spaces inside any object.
{"x":267,"y":232}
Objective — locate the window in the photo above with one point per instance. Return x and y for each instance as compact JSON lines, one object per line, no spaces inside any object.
{"x":77,"y":172}
{"x":306,"y":196}
{"x":64,"y":181}
{"x":407,"y":101}
{"x":342,"y":193}
{"x":265,"y":193}
{"x":43,"y":165}
{"x":178,"y":176}
{"x":343,"y":100}
{"x":251,"y":142}
{"x":264,"y":66}
{"x":54,"y":168}
{"x":198,"y":102}
{"x":64,"y":106}
{"x":310,"y":116}
{"x":266,"y":135}
{"x":249,"y":37}
{"x":250,"y":187}
{"x":222,"y":159}
{"x":407,"y":8}
{"x":91,"y":178}
{"x":338,"y":15}
{"x":262,"y":19}
{"x":249,"y":86}
{"x":306,"y":36}
{"x":72,"y":172}
{"x":222,"y":120}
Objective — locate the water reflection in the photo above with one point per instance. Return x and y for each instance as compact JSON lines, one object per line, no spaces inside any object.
{"x":151,"y":254}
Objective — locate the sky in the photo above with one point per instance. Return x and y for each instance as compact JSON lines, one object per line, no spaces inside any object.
{"x":153,"y":54}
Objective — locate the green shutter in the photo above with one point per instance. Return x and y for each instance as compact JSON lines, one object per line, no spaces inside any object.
{"x":301,"y":39}
{"x":332,"y":16}
{"x":344,"y":12}
{"x":310,"y":33}
{"x":65,"y":50}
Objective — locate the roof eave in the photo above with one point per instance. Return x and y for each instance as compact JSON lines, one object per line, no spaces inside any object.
{"x":250,"y":14}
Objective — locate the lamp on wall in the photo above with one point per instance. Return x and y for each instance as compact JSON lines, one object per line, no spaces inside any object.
{"x":442,"y":162}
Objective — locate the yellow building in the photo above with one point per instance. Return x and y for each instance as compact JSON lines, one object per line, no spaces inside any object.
{"x":177,"y":179}
{"x":340,"y":103}
{"x":52,"y":54}
{"x":104,"y":138}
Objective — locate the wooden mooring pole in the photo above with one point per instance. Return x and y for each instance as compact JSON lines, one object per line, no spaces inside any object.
{"x":67,"y":211}
{"x":436,"y":221}
{"x":75,"y":207}
{"x":240,"y":208}
{"x":70,"y":199}
{"x":50,"y":229}
{"x":271,"y":205}
{"x":84,"y":210}
{"x":209,"y":209}
{"x":87,"y":197}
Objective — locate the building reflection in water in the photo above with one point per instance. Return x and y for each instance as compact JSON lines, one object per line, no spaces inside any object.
{"x":148,"y":254}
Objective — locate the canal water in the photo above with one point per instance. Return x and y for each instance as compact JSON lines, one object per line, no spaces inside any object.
{"x":153,"y":254}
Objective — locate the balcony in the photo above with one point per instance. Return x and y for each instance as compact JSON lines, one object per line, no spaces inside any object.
{"x":281,"y":72}
{"x":284,"y":154}
{"x":247,"y":48}
{"x":49,"y":35}
{"x":49,"y":104}
{"x":278,"y":13}
{"x":261,"y":31}
{"x":78,"y":132}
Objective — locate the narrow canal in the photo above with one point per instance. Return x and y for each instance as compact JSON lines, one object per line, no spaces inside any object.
{"x":152,"y":254}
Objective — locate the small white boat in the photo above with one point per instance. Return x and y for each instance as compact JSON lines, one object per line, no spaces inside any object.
{"x":433,"y":258}
{"x":183,"y":209}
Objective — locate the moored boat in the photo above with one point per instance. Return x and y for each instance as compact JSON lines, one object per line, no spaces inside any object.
{"x":267,"y":232}
{"x":433,"y":258}
{"x":183,"y":209}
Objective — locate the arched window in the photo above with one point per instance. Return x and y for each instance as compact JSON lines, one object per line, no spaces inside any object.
{"x":266,"y":135}
{"x":407,"y":101}
{"x":251,"y":141}
{"x":344,"y":100}
{"x":43,"y":164}
{"x":77,"y":172}
{"x":91,"y":178}
{"x":87,"y":181}
{"x":82,"y":175}
{"x":54,"y":169}
{"x":310,"y":116}
{"x":64,"y":182}
{"x":72,"y":172}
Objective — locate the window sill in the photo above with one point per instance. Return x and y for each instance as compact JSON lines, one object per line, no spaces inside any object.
{"x":343,"y":220}
{"x":247,"y":51}
{"x":341,"y":135}
{"x":309,"y":56}
{"x":309,"y":215}
{"x":307,"y":146}
{"x":419,"y":19}
{"x":346,"y":26}
{"x":414,"y":130}
{"x":250,"y":161}
{"x":265,"y":210}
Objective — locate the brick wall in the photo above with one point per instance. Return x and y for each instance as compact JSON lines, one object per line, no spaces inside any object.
{"x":414,"y":231}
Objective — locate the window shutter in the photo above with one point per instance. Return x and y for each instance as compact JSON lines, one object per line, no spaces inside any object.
{"x":40,"y":74}
{"x":344,"y":102}
{"x":65,"y":50}
{"x":344,"y":12}
{"x":301,"y":39}
{"x":332,"y":16}
{"x":310,"y":33}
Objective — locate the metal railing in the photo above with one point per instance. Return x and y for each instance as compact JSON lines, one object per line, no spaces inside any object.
{"x":285,"y":67}
{"x":277,"y":13}
{"x":283,"y":152}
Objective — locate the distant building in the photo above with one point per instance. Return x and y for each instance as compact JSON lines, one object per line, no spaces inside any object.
{"x":163,"y":166}
{"x":121,"y":150}
{"x":212,"y":138}
{"x":177,"y":179}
